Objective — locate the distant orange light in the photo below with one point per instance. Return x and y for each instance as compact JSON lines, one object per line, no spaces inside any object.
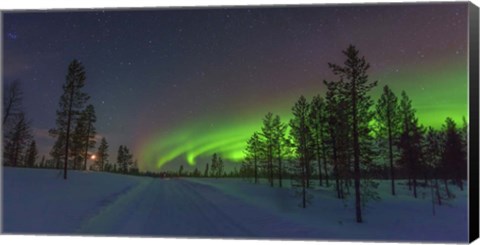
{"x":93,"y":157}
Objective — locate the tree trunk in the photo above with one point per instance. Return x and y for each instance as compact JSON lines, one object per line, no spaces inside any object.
{"x":356,"y":154}
{"x":390,"y":148}
{"x":67,"y":137}
{"x":86,"y":147}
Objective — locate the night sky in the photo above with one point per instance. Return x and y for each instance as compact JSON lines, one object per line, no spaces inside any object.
{"x":176,"y":85}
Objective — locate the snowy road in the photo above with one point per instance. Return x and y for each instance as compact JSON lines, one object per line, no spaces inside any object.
{"x":176,"y":207}
{"x":37,"y":201}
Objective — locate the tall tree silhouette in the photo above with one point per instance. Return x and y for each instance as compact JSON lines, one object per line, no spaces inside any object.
{"x":388,"y":120}
{"x":253,"y":154}
{"x":302,"y":142}
{"x":70,"y":105}
{"x":354,"y":73}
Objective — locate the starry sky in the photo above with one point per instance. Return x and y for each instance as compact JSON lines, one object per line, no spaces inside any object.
{"x":176,"y":85}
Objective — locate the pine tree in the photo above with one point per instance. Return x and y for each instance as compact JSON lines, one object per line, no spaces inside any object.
{"x":102,"y":154}
{"x":253,"y":154}
{"x":318,"y":125}
{"x":453,"y":157}
{"x":281,"y":144}
{"x":134,"y":167}
{"x":70,"y":105}
{"x":205,"y":174}
{"x":410,"y":141}
{"x":302,"y":143}
{"x":42,"y":162}
{"x":12,"y":101}
{"x":89,"y":136}
{"x":268,"y":140}
{"x":357,"y":86}
{"x":121,"y":159}
{"x":180,"y":170}
{"x":338,"y":132}
{"x":388,"y":120}
{"x":16,"y":141}
{"x":31,"y":155}
{"x":219,"y":167}
{"x":58,"y":150}
{"x":124,"y":159}
{"x":433,"y":152}
{"x":214,"y":165}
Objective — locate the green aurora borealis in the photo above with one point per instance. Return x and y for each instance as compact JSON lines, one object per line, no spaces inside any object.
{"x":437,"y":92}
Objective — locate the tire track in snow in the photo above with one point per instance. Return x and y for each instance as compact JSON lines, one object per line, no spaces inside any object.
{"x":110,"y":214}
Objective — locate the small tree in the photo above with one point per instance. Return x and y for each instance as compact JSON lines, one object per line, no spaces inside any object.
{"x":180,"y":170}
{"x":253,"y":154}
{"x":16,"y":141}
{"x":12,"y":101}
{"x":31,"y":155}
{"x":453,"y":157}
{"x":205,"y":174}
{"x":102,"y":154}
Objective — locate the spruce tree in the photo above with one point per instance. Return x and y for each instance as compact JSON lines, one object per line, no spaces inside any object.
{"x":357,"y":85}
{"x":388,"y":120}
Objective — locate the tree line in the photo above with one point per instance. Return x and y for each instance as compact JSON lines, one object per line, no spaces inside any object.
{"x":74,"y":133}
{"x":345,"y":140}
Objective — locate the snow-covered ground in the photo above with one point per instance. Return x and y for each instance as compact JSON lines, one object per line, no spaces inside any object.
{"x":39,"y":201}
